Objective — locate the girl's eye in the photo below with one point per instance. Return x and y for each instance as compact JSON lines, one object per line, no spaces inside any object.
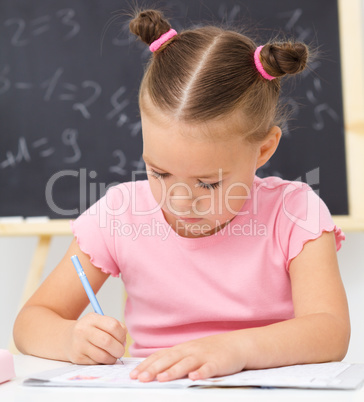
{"x":210,"y":186}
{"x":200,"y":184}
{"x":159,"y":175}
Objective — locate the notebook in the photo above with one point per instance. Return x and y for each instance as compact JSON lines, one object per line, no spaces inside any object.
{"x":335,"y":375}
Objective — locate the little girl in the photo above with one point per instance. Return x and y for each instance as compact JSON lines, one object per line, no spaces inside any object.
{"x":224,"y":271}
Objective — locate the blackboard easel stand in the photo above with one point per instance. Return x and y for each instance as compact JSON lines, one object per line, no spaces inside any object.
{"x":44,"y":231}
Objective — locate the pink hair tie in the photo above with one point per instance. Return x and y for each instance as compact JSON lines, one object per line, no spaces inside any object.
{"x":162,"y":39}
{"x":259,"y":66}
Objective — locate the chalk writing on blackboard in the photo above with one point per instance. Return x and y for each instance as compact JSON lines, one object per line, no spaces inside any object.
{"x":23,"y":31}
{"x":304,"y":34}
{"x":88,"y":92}
{"x":66,"y":106}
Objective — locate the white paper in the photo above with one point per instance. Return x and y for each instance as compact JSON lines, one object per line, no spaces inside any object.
{"x":324,"y":375}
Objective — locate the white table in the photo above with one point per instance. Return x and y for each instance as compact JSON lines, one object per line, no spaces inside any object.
{"x":14,"y":391}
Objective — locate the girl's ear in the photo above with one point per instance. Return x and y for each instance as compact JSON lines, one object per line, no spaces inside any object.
{"x":268,"y":146}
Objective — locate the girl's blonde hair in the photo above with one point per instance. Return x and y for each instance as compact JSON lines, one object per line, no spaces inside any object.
{"x":208,"y":73}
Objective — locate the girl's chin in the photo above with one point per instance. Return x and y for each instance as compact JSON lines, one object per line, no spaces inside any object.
{"x":194,"y":230}
{"x":193,"y":227}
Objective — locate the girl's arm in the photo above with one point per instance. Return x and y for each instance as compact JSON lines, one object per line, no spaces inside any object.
{"x":319,"y":332}
{"x":47,"y":325}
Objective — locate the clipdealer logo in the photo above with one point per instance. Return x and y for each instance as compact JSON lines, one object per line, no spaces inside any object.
{"x":311,"y":219}
{"x":88,"y":190}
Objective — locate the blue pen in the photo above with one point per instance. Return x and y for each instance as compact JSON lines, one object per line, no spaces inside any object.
{"x":86,"y":284}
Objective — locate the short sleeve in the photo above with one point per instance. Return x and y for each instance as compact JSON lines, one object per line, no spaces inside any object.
{"x":304,"y":216}
{"x":94,"y":235}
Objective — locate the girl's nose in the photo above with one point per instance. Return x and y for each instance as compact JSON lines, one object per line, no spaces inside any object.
{"x":180,"y":198}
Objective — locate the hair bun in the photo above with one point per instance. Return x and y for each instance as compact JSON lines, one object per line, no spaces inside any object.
{"x":279,"y":59}
{"x":149,"y":25}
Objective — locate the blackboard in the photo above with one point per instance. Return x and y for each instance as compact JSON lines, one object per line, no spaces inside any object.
{"x":69,"y":121}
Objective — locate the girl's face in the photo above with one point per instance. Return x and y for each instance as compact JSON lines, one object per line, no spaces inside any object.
{"x":200,"y":179}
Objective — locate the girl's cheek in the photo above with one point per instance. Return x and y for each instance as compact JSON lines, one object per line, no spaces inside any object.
{"x":157,"y":191}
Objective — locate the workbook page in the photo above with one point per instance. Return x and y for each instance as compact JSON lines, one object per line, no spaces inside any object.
{"x":324,"y":375}
{"x":116,"y":375}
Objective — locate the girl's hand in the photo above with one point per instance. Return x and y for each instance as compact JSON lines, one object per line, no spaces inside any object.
{"x":198,"y":359}
{"x":95,"y":339}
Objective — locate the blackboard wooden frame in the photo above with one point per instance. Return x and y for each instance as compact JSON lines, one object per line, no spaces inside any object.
{"x":351,"y":15}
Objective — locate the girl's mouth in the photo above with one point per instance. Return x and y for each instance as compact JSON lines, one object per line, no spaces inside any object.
{"x":189,"y":220}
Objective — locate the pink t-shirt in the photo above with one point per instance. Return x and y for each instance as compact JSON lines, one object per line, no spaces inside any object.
{"x":182,"y":288}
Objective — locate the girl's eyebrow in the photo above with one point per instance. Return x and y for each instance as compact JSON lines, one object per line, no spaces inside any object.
{"x":205,"y":176}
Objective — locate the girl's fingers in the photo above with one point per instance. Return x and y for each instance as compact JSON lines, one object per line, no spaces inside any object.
{"x":143,"y":366}
{"x":207,"y":370}
{"x":82,"y":359}
{"x":167,"y":367}
{"x":104,"y":332}
{"x":96,"y":339}
{"x":110,"y":325}
{"x":106,"y":343}
{"x":179,"y":370}
{"x":91,"y":354}
{"x":96,"y":355}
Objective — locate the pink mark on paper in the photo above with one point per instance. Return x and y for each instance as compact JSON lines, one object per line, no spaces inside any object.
{"x":82,"y":377}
